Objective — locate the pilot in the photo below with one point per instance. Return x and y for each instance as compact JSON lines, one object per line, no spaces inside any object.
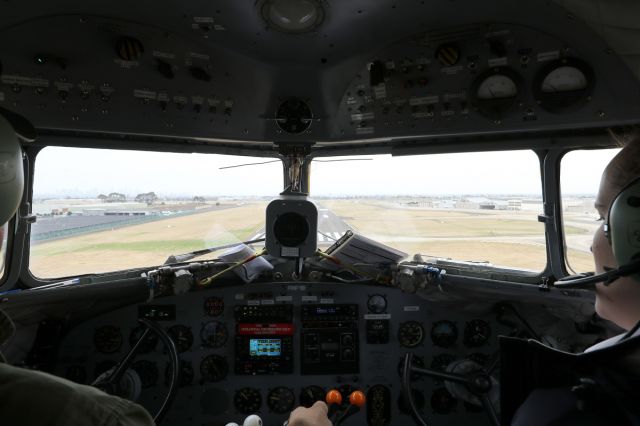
{"x":619,"y":302}
{"x":32,"y":397}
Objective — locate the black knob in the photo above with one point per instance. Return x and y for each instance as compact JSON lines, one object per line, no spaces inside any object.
{"x":165,"y":69}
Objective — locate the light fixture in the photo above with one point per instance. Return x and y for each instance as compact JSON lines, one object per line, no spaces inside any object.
{"x":293,"y":16}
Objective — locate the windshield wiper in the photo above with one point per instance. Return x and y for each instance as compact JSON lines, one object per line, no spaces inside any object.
{"x":179,"y":258}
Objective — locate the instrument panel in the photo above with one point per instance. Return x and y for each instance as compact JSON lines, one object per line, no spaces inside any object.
{"x":265,"y":349}
{"x":490,"y":77}
{"x":103,"y":74}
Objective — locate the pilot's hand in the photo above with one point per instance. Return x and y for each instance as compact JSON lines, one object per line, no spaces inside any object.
{"x":314,"y":416}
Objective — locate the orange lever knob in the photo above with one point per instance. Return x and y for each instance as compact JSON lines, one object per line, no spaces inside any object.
{"x":357,"y":398}
{"x":333,"y":397}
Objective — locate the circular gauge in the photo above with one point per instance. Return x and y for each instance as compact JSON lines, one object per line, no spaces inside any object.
{"x":476,"y":333}
{"x":281,"y":400}
{"x":247,"y":400}
{"x":563,"y":85}
{"x":418,"y":399}
{"x":214,"y":334}
{"x":102,"y":367}
{"x":149,"y":343}
{"x":444,"y":333}
{"x":442,"y":401}
{"x":294,"y":116}
{"x":441,"y":362}
{"x":186,"y":373}
{"x":310,"y":395}
{"x":410,"y":334}
{"x":181,"y":336}
{"x":214,"y":306}
{"x":496,"y":91}
{"x":497,"y":86}
{"x":418,"y":361}
{"x":377,"y":304}
{"x":564,"y":79}
{"x":147,"y":371}
{"x":76,"y":373}
{"x":481,"y":359}
{"x":107,"y":339}
{"x":214,"y":368}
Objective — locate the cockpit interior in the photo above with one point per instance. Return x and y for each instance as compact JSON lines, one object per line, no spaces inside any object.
{"x":235,"y":208}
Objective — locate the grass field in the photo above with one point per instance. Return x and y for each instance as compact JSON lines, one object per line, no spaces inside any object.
{"x":148,"y":244}
{"x":512,"y":239}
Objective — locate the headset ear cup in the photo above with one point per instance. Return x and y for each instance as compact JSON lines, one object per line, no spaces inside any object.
{"x":624,"y":225}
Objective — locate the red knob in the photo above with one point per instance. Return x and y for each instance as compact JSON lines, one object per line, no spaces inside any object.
{"x":333,"y":397}
{"x":357,"y":398}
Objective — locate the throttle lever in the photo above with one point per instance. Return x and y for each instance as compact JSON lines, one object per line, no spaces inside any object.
{"x":357,"y":400}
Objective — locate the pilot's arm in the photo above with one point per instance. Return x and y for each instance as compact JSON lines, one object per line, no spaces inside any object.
{"x":316,"y":415}
{"x":35,"y":398}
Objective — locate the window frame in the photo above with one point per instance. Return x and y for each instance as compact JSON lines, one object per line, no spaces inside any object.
{"x":22,"y":250}
{"x":566,"y":268}
{"x":548,"y":149}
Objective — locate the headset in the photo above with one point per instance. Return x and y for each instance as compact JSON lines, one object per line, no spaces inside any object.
{"x":13,"y":129}
{"x":622,"y":229}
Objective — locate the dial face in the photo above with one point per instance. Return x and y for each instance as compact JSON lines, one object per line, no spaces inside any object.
{"x":247,"y":400}
{"x":440,"y":362}
{"x":214,"y":368}
{"x":147,"y":371}
{"x":149,"y":343}
{"x":418,"y":399}
{"x":107,"y":339}
{"x":214,"y":334}
{"x":497,"y":86}
{"x":476,"y":333}
{"x":310,"y":395}
{"x":186,"y":374}
{"x":294,"y":116}
{"x":410,"y":334}
{"x":442,"y":401}
{"x":444,"y":333}
{"x":281,"y":400}
{"x":181,"y":336}
{"x":564,"y":85}
{"x":479,"y":358}
{"x":564,"y":79}
{"x":214,"y":306}
{"x":377,"y":304}
{"x":418,"y":361}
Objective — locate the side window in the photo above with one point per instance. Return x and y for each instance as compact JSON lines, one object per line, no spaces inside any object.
{"x":579,"y":181}
{"x":104,"y":210}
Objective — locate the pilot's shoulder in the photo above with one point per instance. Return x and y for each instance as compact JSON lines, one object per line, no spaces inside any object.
{"x":30,"y":396}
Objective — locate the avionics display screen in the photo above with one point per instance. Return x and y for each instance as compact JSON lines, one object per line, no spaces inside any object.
{"x":265,"y":347}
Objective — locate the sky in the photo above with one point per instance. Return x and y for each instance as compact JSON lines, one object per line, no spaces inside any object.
{"x":86,"y":173}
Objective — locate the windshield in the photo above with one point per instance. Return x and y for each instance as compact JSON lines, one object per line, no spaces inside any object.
{"x":109,"y":210}
{"x":476,"y":207}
